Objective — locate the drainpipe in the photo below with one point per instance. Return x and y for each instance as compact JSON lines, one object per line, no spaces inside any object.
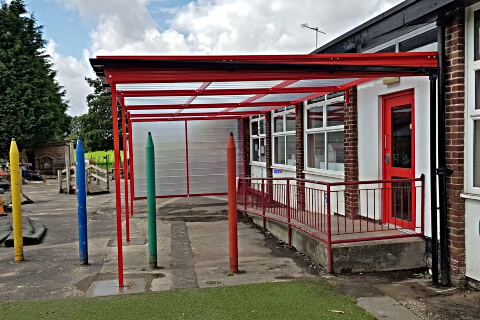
{"x":433,"y":176}
{"x":442,"y":170}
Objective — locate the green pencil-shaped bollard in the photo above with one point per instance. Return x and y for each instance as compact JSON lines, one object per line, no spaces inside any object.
{"x":151,"y":203}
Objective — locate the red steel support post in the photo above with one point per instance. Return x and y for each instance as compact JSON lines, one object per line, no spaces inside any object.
{"x":232,"y":204}
{"x":118,"y":196}
{"x":130,"y":152}
{"x":422,"y":210}
{"x":288,"y":214}
{"x":263,"y":205}
{"x":329,"y":232}
{"x":125,"y":173}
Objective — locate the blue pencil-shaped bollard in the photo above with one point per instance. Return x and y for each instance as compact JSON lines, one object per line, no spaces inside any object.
{"x":82,"y":204}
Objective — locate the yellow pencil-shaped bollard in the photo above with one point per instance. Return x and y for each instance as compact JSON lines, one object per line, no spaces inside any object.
{"x":16,"y":201}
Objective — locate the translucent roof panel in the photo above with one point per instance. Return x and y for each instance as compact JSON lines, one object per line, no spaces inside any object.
{"x":246,"y":109}
{"x":283,"y":97}
{"x":138,"y":101}
{"x":243,"y":84}
{"x":156,"y":111}
{"x":320,"y":82}
{"x":220,"y":99}
{"x":201,"y":110}
{"x":158,"y":86}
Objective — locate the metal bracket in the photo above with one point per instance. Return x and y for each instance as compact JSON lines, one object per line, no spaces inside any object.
{"x":444,"y":171}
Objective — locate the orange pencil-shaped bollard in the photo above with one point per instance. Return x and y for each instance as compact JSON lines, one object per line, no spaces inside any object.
{"x":232,"y":204}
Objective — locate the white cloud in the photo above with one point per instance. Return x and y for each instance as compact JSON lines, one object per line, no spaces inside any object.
{"x":125,"y":27}
{"x":71,"y":73}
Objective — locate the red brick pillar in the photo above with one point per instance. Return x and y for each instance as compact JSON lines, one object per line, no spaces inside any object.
{"x":455,"y":128}
{"x":351,"y":153}
{"x":299,"y":155}
{"x":268,"y":153}
{"x":246,"y":147}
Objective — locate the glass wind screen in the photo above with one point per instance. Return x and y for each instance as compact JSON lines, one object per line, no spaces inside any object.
{"x":402,"y":136}
{"x":279,"y":156}
{"x":315,"y":117}
{"x":316,"y":150}
{"x":335,"y":151}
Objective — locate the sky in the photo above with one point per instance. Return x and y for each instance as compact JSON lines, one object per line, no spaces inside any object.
{"x":77,"y":30}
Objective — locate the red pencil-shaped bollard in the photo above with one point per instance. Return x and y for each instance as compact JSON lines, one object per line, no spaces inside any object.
{"x":232,"y":204}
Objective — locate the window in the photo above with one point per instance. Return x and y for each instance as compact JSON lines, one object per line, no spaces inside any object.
{"x":257,"y":139}
{"x":324,"y":134}
{"x":472,"y":138}
{"x":420,"y":39}
{"x":284,"y":148}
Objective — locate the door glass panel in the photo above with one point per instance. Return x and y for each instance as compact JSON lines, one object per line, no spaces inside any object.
{"x":402,"y":136}
{"x":402,"y":200}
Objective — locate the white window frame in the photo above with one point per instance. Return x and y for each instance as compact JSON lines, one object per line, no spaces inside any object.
{"x":471,"y":114}
{"x":282,"y":112}
{"x":324,"y":129}
{"x":259,"y":136}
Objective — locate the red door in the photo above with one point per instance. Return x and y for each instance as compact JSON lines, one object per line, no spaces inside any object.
{"x":399,"y":159}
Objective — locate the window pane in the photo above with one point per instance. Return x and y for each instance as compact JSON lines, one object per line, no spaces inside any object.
{"x":335,"y":151}
{"x":291,"y":150}
{"x":476,"y":154}
{"x":477,"y":89}
{"x":262,"y":126}
{"x":476,"y":34}
{"x":335,"y":114}
{"x":255,"y":148}
{"x":279,"y":157}
{"x":418,"y":41}
{"x":315,"y":117}
{"x":278,"y":124}
{"x":290,"y":121}
{"x":316,"y":150}
{"x":254,"y":128}
{"x":290,"y":107}
{"x":262,"y":150}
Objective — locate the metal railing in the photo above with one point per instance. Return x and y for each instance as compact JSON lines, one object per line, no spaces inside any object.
{"x":337,"y":212}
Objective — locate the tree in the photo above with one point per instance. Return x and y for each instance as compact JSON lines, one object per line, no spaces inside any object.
{"x":32,"y":105}
{"x":96,"y":129}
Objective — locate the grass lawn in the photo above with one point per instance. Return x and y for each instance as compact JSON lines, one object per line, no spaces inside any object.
{"x":284,"y":300}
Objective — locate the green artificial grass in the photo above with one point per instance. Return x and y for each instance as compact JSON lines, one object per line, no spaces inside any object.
{"x":285,"y":300}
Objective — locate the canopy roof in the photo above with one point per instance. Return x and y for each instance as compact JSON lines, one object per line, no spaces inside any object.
{"x":160,"y":88}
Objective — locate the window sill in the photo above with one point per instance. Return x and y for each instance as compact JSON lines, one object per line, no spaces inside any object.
{"x":471,"y":196}
{"x":329,"y":174}
{"x":283,"y":167}
{"x":258,"y":164}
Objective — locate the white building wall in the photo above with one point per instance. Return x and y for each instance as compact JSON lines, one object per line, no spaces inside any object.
{"x":369,"y":100}
{"x":472,"y":238}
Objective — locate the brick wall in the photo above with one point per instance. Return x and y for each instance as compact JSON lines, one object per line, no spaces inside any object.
{"x":246,"y":147}
{"x":455,"y":128}
{"x":299,"y":154}
{"x":351,"y":152}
